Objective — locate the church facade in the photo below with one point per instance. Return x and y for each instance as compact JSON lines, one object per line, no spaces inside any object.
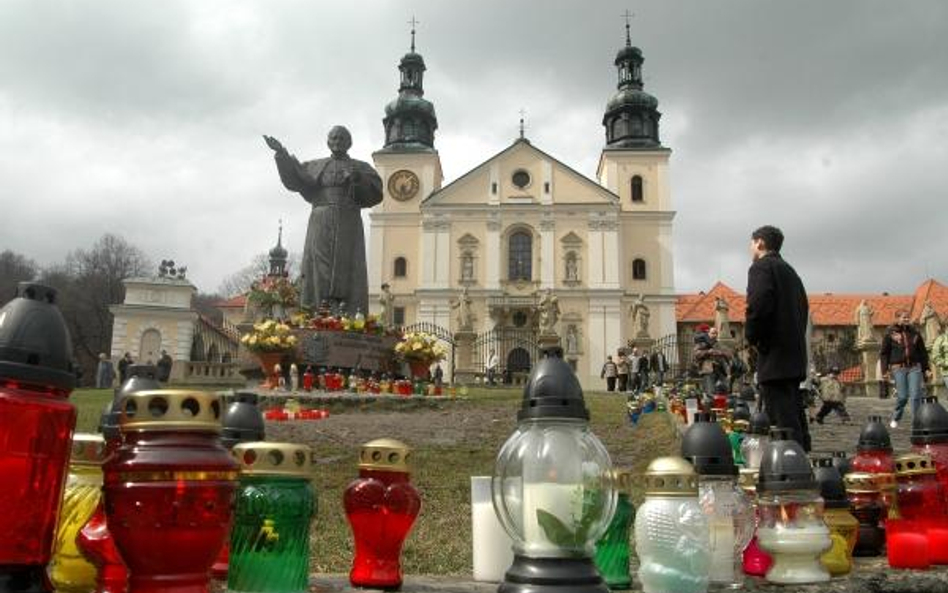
{"x":523,"y":223}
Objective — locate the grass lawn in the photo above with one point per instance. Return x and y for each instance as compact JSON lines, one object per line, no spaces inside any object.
{"x":451,"y":443}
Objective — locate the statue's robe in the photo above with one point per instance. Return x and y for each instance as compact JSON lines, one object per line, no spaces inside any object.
{"x":334,"y":266}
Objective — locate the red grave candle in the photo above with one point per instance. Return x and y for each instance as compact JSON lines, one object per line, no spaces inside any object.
{"x":36,"y":424}
{"x":169,"y":490}
{"x":381,"y":506}
{"x":920,"y":494}
{"x":906,"y":544}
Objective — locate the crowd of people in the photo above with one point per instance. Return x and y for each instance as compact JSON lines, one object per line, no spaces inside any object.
{"x":105,"y":374}
{"x":633,"y":370}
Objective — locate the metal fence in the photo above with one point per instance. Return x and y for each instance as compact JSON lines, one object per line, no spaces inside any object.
{"x":517,"y":351}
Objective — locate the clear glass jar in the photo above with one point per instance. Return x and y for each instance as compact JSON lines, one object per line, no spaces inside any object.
{"x":752,"y":449}
{"x":731,"y":522}
{"x":673,"y":545}
{"x":792,"y":530}
{"x":551,"y":488}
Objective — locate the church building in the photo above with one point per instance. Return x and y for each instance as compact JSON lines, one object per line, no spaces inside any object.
{"x":523,"y":223}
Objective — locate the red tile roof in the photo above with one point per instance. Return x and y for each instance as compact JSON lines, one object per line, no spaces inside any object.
{"x":237,"y":302}
{"x":826,"y":309}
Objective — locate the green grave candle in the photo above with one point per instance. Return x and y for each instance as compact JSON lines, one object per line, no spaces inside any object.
{"x":269,"y":543}
{"x":612,"y":549}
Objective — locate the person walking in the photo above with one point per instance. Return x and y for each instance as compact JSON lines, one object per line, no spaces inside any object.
{"x":659,"y":366}
{"x":904,"y":357}
{"x":609,"y":373}
{"x":832,"y":396}
{"x":104,"y":373}
{"x":775,"y":325}
{"x":164,"y":366}
{"x":644,"y":366}
{"x":123,"y":365}
{"x":492,"y":363}
{"x":622,"y":372}
{"x":939,"y":356}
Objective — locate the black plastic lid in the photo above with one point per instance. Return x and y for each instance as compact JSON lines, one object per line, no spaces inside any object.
{"x":720,"y":387}
{"x":874,"y":436}
{"x":35,"y":347}
{"x":741,"y":412}
{"x":831,"y":484}
{"x":784,"y":465}
{"x":552,"y":391}
{"x":747,"y":394}
{"x":930,"y":423}
{"x":707,"y":447}
{"x":141,"y":377}
{"x":731,"y":401}
{"x":842,"y":462}
{"x":242,"y":421}
{"x":759,"y":424}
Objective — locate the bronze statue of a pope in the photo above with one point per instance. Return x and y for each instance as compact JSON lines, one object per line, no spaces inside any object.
{"x":333,"y":268}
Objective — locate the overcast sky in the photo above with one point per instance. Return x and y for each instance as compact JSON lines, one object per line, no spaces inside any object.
{"x":828,"y":119}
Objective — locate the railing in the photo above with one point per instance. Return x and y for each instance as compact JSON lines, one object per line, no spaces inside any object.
{"x":209,"y":373}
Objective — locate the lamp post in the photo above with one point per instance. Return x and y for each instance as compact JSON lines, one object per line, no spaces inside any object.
{"x":36,"y":424}
{"x":552,"y":488}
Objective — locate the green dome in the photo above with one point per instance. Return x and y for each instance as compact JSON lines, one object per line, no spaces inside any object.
{"x":629,"y":53}
{"x":630,"y":97}
{"x":406,"y":103}
{"x":278,"y":252}
{"x":412,"y":59}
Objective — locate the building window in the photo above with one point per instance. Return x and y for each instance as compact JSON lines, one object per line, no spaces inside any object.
{"x":401,"y":267}
{"x":398,"y":316}
{"x":638,"y":269}
{"x":637,"y":189}
{"x":520,"y":178}
{"x":546,"y":187}
{"x":493,"y":188}
{"x":520,"y":252}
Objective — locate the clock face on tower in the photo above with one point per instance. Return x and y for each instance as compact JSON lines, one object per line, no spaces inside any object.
{"x":403,"y":185}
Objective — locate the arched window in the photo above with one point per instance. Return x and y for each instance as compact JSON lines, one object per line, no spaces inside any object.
{"x":638,"y":269}
{"x":520,"y":256}
{"x":637,"y":195}
{"x":401,"y":267}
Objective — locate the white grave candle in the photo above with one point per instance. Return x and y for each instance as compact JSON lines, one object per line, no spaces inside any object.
{"x":493,"y":548}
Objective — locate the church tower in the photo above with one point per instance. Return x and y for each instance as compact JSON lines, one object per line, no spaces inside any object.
{"x":410,"y":169}
{"x":634,"y":166}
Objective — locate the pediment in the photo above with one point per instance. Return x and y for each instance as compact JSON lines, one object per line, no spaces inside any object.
{"x":521,"y":175}
{"x":571,"y":239}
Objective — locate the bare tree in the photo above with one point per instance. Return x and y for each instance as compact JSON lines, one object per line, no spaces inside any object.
{"x":14,"y":268}
{"x":239,"y":282}
{"x":89,"y":282}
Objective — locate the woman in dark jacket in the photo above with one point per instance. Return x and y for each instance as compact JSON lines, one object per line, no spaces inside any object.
{"x":904,"y":357}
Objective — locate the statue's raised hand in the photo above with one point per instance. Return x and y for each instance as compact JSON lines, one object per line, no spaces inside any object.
{"x":274,"y":144}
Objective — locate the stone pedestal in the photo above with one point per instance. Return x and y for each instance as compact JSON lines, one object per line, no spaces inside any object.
{"x":641,"y":342}
{"x":869,"y":354}
{"x":465,"y":368}
{"x":549,"y":341}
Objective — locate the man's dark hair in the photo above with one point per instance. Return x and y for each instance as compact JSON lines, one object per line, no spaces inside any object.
{"x":771,"y":236}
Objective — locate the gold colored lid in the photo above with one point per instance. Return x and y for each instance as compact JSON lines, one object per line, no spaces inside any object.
{"x":385,"y":455}
{"x":914,"y":464}
{"x":740,"y":425}
{"x":886,"y":482}
{"x":670,"y":476}
{"x":861,"y":482}
{"x":87,"y":449}
{"x":747,"y":479}
{"x":170,"y":409}
{"x":622,"y":480}
{"x":274,"y":459}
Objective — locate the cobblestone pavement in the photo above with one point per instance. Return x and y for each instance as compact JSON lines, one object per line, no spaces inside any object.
{"x":834,"y":435}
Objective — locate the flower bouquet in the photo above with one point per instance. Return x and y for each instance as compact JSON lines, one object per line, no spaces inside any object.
{"x":273,"y":293}
{"x":269,"y":340}
{"x":420,"y":350}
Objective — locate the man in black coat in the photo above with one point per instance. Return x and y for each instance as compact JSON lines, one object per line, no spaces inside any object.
{"x":775,"y":324}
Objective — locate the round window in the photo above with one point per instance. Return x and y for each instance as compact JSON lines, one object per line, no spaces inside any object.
{"x":520,"y":178}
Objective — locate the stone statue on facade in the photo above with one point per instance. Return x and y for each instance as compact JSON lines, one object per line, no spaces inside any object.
{"x":572,"y":268}
{"x":721,"y":318}
{"x":640,"y":316}
{"x":465,"y":314}
{"x":467,"y":267}
{"x":864,"y":331}
{"x":386,"y":311}
{"x":931,"y":325}
{"x":572,"y":340}
{"x":549,"y":309}
{"x":334,"y":266}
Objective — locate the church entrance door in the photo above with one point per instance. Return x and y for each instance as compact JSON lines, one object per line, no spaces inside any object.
{"x":150,"y":349}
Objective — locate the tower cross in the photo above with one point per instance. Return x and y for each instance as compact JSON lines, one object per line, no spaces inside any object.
{"x":413,"y":22}
{"x":523,"y":112}
{"x":628,"y":36}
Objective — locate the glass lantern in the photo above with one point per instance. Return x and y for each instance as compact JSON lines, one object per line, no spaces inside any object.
{"x":753,"y":443}
{"x":920,"y":494}
{"x":865,"y":503}
{"x":612,"y":549}
{"x":275,"y":503}
{"x":169,"y":490}
{"x":843,"y":526}
{"x":791,"y":527}
{"x":730,"y":514}
{"x":930,"y":436}
{"x":36,"y":424}
{"x":551,"y":487}
{"x":671,"y":531}
{"x":70,"y":571}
